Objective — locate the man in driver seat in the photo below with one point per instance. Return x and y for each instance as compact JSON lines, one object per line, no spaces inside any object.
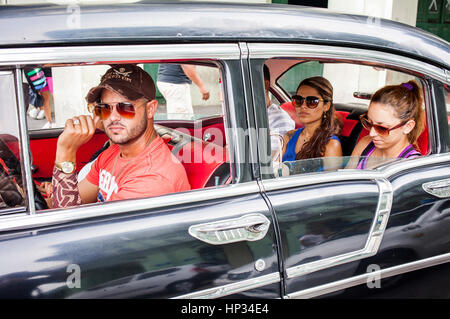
{"x":139,"y":164}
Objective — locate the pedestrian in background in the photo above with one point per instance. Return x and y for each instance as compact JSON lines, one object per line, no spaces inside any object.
{"x":174,"y":82}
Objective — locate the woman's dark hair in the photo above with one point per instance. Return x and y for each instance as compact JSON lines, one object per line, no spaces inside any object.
{"x":406,"y":100}
{"x":331,"y":123}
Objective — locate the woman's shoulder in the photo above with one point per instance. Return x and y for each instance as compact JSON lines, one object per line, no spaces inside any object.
{"x":333,"y":148}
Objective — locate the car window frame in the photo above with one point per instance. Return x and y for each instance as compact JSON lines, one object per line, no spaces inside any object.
{"x":15,"y":83}
{"x":224,"y":55}
{"x":260,"y":52}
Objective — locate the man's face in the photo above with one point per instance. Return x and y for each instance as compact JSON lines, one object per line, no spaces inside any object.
{"x":121,"y":130}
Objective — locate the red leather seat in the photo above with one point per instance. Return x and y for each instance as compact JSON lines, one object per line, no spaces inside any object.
{"x":205,"y":162}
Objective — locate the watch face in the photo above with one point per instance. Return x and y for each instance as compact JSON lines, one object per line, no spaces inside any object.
{"x":67,"y":167}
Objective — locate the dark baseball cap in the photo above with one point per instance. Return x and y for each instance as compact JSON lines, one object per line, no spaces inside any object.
{"x":128,"y":80}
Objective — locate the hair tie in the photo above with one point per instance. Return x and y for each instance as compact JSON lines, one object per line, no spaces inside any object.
{"x":409,"y":86}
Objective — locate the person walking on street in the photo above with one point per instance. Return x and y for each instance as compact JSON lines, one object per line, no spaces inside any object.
{"x":174,"y":82}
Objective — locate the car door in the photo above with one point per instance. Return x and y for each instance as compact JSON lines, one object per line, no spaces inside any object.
{"x":342,"y":228}
{"x":209,"y":242}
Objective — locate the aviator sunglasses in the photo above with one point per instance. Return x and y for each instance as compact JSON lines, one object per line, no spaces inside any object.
{"x":381,"y":130}
{"x":310,"y":101}
{"x":103,"y":110}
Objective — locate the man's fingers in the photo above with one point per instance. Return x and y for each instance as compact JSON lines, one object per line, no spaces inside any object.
{"x":84,"y":125}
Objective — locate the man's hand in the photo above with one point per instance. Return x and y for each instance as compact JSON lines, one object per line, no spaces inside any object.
{"x":78,"y":131}
{"x":45,"y":188}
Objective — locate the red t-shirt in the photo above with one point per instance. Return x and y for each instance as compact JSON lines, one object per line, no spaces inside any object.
{"x":156,"y":171}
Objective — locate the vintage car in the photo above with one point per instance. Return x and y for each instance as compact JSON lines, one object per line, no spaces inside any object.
{"x":251,"y":227}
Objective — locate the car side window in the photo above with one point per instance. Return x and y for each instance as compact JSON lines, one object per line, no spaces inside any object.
{"x":195,"y":132}
{"x":308,"y":90}
{"x":66,"y":87}
{"x":12,"y":194}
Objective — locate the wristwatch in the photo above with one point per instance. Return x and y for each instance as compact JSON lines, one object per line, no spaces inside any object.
{"x":65,"y":167}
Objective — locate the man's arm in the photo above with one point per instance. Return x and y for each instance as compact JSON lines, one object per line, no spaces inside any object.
{"x":192,"y":74}
{"x":66,"y":190}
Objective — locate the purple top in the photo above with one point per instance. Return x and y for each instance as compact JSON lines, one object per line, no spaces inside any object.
{"x":408,"y":152}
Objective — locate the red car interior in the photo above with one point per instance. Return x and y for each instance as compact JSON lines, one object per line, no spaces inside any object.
{"x":205,"y":162}
{"x":43,"y":148}
{"x":213,"y":126}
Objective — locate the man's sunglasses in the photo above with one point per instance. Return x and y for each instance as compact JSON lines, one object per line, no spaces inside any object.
{"x":381,"y":130}
{"x":311,"y":101}
{"x":103,"y":110}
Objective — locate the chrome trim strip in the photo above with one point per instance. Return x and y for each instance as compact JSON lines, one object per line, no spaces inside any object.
{"x":233,"y":288}
{"x":58,"y":216}
{"x":350,"y":174}
{"x":23,"y":131}
{"x":247,"y":99}
{"x":373,"y":240}
{"x":364,"y":278}
{"x":282,"y":50}
{"x":92,"y":54}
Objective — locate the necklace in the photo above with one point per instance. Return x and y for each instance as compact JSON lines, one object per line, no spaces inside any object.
{"x":304,"y":137}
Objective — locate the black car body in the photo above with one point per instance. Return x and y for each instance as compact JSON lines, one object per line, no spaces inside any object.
{"x":244,"y":231}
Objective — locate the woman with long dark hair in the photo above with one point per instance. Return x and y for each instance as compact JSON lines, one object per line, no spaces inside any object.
{"x":318,"y":138}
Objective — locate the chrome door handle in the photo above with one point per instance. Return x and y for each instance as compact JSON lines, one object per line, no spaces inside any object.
{"x":250,"y":227}
{"x":440,"y":188}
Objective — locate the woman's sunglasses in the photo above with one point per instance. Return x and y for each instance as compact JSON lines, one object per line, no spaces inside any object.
{"x":310,"y":101}
{"x":103,"y":110}
{"x":381,"y":130}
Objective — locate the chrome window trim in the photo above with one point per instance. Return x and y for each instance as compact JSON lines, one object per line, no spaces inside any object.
{"x":91,"y":54}
{"x":364,"y":278}
{"x":272,"y":50}
{"x":24,"y":141}
{"x":352,"y":174}
{"x":226,"y":290}
{"x":247,"y":99}
{"x":59,"y":216}
{"x":372,"y":244}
